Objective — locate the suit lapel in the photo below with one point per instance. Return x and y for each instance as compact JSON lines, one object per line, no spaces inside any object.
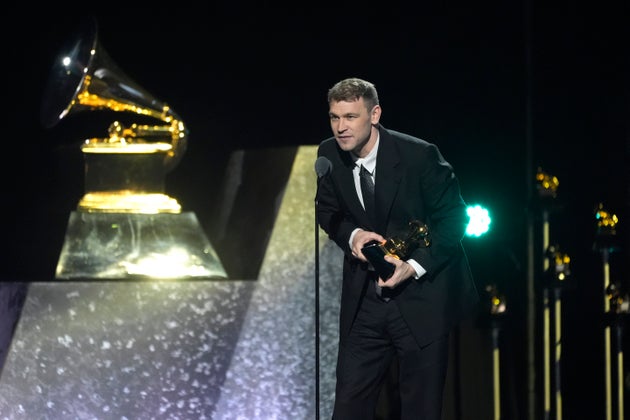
{"x":387,"y":178}
{"x":386,"y":186}
{"x":347,"y":187}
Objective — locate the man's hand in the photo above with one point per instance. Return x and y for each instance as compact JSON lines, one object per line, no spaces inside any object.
{"x":402,"y":273}
{"x":361,"y":238}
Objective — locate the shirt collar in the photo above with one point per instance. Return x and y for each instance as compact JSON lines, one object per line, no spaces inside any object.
{"x":370,"y":160}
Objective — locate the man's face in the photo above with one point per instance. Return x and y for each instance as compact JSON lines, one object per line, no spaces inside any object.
{"x":353,"y":125}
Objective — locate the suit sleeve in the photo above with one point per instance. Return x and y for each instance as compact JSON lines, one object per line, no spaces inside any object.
{"x":446,"y":212}
{"x":332,"y":214}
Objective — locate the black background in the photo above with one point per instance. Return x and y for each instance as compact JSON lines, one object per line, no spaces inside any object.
{"x":503,"y":88}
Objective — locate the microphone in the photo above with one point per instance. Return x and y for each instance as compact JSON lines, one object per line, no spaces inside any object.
{"x":323,"y":166}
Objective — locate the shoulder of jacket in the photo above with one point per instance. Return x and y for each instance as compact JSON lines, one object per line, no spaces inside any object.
{"x":327,"y":143}
{"x":407,"y":139}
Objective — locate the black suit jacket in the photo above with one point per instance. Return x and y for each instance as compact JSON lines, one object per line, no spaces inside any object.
{"x":413,"y":182}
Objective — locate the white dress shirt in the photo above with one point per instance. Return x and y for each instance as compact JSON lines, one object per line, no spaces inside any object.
{"x":369,"y":162}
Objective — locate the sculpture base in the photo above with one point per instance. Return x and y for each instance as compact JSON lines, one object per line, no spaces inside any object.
{"x":112,"y":246}
{"x":375,"y":254}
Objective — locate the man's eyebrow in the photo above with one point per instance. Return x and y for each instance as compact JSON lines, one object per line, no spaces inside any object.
{"x":347,"y":114}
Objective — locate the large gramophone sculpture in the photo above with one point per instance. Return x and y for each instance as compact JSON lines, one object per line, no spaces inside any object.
{"x":125,"y":226}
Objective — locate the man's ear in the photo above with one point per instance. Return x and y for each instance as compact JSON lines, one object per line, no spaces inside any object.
{"x":375,"y":114}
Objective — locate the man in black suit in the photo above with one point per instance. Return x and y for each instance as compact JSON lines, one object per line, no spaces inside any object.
{"x":410,"y":314}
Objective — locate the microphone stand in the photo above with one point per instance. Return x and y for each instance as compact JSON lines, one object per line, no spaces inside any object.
{"x":316,"y":308}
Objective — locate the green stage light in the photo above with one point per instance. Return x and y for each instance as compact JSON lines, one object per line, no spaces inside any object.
{"x":479,"y":222}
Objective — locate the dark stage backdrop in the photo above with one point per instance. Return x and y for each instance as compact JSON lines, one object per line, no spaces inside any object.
{"x":502,"y":89}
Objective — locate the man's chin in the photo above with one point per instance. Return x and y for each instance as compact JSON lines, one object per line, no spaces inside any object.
{"x":346,"y":147}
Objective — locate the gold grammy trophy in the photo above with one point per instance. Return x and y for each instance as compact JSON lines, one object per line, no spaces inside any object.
{"x":125,"y":226}
{"x":401,"y":248}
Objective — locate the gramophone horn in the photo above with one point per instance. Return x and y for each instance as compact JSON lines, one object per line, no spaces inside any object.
{"x":124,"y":172}
{"x":84,"y":77}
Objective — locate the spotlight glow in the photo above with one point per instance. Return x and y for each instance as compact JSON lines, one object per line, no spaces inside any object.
{"x":479,"y":222}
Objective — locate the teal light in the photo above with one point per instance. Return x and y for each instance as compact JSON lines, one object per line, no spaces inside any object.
{"x":479,"y":222}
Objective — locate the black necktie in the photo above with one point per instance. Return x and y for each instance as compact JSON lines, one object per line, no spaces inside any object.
{"x":367,"y":190}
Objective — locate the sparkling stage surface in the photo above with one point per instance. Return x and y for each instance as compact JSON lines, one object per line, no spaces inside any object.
{"x":216,"y":349}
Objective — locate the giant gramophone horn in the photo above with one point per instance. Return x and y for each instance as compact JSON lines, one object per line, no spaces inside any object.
{"x":125,"y":227}
{"x":125,"y":171}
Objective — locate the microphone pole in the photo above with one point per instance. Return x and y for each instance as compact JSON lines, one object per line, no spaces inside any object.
{"x":316,"y":308}
{"x":323,"y":166}
{"x":316,"y":313}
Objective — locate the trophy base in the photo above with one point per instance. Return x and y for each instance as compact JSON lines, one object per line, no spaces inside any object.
{"x":112,"y":246}
{"x":375,"y":253}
